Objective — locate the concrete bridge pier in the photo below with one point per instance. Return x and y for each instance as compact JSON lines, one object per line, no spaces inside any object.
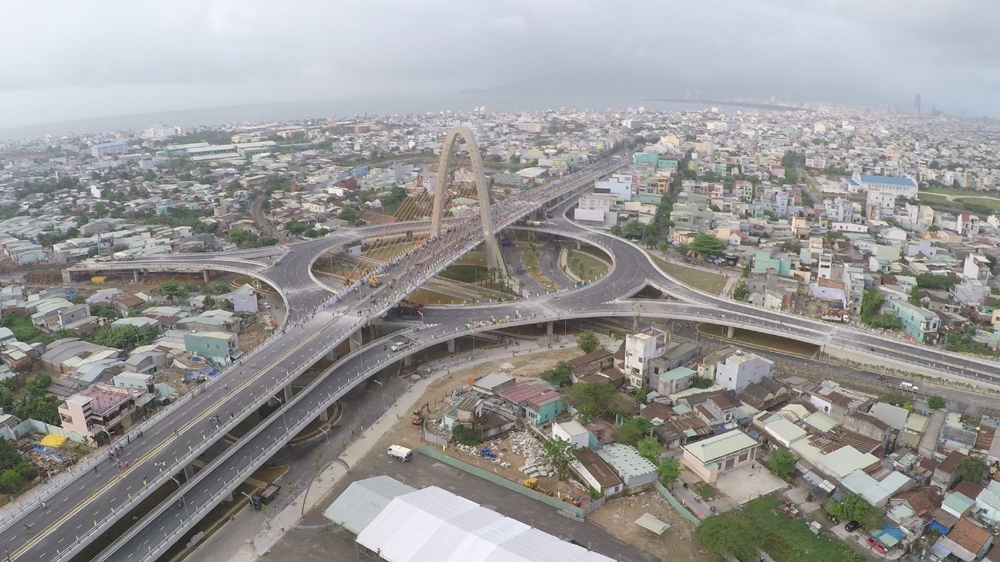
{"x":451,"y":346}
{"x":332,"y":355}
{"x":408,"y":360}
{"x":288,"y":392}
{"x":356,"y":339}
{"x":635,"y":324}
{"x":189,"y":472}
{"x":204,"y":275}
{"x":135,"y":275}
{"x":549,"y":328}
{"x":228,"y":498}
{"x":579,"y":245}
{"x":731,"y":332}
{"x":324,"y":415}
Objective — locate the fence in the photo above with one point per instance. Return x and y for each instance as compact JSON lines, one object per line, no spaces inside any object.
{"x":501,"y":481}
{"x":685,"y":513}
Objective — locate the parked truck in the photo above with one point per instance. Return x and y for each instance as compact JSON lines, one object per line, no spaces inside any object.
{"x":407,"y":309}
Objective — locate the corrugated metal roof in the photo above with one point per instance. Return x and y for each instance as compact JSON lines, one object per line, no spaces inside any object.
{"x":720,"y":446}
{"x":363,"y":500}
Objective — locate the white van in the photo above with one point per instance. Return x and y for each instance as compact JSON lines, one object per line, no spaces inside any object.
{"x":401,"y":453}
{"x":908,"y":386}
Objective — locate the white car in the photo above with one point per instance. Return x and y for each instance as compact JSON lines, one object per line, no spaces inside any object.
{"x":400,"y":345}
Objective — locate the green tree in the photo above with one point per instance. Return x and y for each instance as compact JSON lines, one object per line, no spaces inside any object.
{"x":740,"y":292}
{"x":209,"y":302}
{"x":171,"y":289}
{"x":559,"y":454}
{"x":632,"y":430}
{"x":592,"y":400}
{"x":239,"y":236}
{"x":634,"y":229}
{"x":707,"y":245}
{"x":559,"y":375}
{"x":125,"y":337}
{"x":781,"y":463}
{"x":972,"y":469}
{"x":464,"y":435}
{"x":853,"y":507}
{"x":728,"y":536}
{"x":649,"y":448}
{"x":641,"y":394}
{"x":348,"y":214}
{"x":615,"y":230}
{"x":935,"y":402}
{"x":587,"y":341}
{"x":701,"y":382}
{"x":669,"y":470}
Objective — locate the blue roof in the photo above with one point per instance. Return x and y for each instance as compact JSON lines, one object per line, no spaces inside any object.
{"x":887,"y":180}
{"x":112,"y":143}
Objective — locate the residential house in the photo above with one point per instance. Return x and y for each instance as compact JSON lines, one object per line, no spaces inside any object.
{"x":968,"y":541}
{"x":220,"y":346}
{"x":717,"y":455}
{"x":676,"y":380}
{"x":597,"y":474}
{"x":572,"y":432}
{"x":918,"y":322}
{"x":99,"y":412}
{"x":538,"y":401}
{"x":741,"y":369}
{"x":593,"y":362}
{"x":631,"y":467}
{"x":947,"y":472}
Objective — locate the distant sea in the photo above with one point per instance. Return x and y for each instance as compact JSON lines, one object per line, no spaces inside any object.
{"x":345,"y":108}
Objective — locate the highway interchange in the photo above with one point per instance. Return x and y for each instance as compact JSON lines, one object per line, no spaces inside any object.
{"x":51,"y":533}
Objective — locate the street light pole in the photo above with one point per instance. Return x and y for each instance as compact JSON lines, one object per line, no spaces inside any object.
{"x":184,"y":503}
{"x":382,"y":388}
{"x":281,"y":405}
{"x":266,"y":520}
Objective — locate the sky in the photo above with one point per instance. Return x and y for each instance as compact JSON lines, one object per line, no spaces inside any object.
{"x":77,"y":59}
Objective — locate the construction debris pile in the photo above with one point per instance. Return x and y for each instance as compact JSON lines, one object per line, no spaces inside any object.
{"x":525,"y":444}
{"x":490,"y":452}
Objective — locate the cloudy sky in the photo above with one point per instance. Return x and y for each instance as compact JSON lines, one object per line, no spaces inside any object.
{"x":75,"y":59}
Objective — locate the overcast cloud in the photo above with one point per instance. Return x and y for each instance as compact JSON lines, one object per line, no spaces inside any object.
{"x":89,"y":58}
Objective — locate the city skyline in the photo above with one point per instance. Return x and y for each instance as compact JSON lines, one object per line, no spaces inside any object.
{"x":86,"y":60}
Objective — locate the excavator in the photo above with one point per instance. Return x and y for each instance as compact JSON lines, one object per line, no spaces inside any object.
{"x":417,"y":418}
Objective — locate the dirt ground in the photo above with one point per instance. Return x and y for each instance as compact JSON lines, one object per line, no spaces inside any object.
{"x":618,"y":516}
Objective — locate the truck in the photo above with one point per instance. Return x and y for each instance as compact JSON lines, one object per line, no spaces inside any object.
{"x":264,"y":495}
{"x":399,"y":452}
{"x":374,"y":282}
{"x":123,"y":256}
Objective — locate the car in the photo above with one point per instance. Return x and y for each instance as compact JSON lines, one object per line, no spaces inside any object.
{"x":852,"y":526}
{"x":400,"y":345}
{"x":877,"y":546}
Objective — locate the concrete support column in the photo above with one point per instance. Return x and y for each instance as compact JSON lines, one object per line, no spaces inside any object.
{"x":451,"y":346}
{"x":355,"y":340}
{"x":635,"y":323}
{"x":324,"y":415}
{"x":332,"y":355}
{"x":189,"y":472}
{"x":731,"y":332}
{"x":204,"y":275}
{"x":288,"y":393}
{"x":579,"y":245}
{"x":135,"y":275}
{"x":549,"y":328}
{"x":408,"y":360}
{"x":228,"y":498}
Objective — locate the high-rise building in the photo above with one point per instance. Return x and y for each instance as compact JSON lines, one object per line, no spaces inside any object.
{"x":916,"y":106}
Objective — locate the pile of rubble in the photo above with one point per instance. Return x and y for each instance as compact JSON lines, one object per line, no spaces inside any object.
{"x":526,"y":445}
{"x":489,"y":452}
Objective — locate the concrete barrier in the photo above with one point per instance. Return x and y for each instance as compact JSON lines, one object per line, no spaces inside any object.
{"x":685,"y":513}
{"x":501,"y":481}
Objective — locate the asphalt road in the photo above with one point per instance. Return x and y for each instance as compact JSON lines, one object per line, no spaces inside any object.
{"x":631,"y":272}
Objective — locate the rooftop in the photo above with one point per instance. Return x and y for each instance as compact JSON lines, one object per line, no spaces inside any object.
{"x":714,"y":448}
{"x":626,"y":460}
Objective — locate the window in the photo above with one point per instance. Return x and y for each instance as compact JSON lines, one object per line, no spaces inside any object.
{"x":729,"y":463}
{"x":744,"y":457}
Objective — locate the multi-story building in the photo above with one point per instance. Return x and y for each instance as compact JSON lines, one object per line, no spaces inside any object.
{"x":918,"y":322}
{"x":99,"y":413}
{"x":640,"y":348}
{"x":221,"y":346}
{"x":741,"y":369}
{"x":106,"y":149}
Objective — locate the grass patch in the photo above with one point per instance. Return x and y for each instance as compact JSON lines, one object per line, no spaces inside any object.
{"x":585,"y":266}
{"x":529,"y":257}
{"x":427,"y":296}
{"x":466,"y":273}
{"x":23,"y":329}
{"x":385,"y":252}
{"x":786,"y":539}
{"x":704,"y":490}
{"x":709,"y":282}
{"x":473,"y":257}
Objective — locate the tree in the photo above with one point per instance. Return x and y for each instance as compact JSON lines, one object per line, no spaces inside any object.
{"x":587,"y":341}
{"x":559,"y":375}
{"x":559,"y":454}
{"x":592,"y":400}
{"x":670,"y":471}
{"x":853,"y":507}
{"x":295,"y":228}
{"x":171,"y":289}
{"x":649,"y":448}
{"x":740,"y":292}
{"x":209,"y":302}
{"x":781,"y":463}
{"x":640,"y":395}
{"x":634,"y":229}
{"x":935,"y":402}
{"x":701,"y":382}
{"x":239,"y":236}
{"x":615,"y":230}
{"x":707,"y":245}
{"x":632,"y":430}
{"x":348,"y":214}
{"x":729,"y":536}
{"x":972,"y":469}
